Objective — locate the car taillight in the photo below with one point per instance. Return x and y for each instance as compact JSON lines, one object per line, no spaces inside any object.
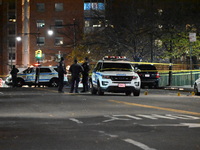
{"x":157,"y":75}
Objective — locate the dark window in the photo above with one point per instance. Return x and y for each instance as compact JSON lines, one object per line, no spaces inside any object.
{"x":11,"y":56}
{"x":44,"y":70}
{"x":146,"y":67}
{"x":116,"y":67}
{"x":11,"y":5}
{"x":58,"y":23}
{"x":40,"y":7}
{"x":11,"y":30}
{"x":58,"y":6}
{"x":40,"y":40}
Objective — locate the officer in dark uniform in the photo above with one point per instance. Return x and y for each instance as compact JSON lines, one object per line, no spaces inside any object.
{"x":61,"y":72}
{"x":75,"y":70}
{"x":85,"y":75}
{"x":13,"y":73}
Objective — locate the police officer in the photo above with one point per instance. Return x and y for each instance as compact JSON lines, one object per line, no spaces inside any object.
{"x":13,"y":73}
{"x":61,"y":72}
{"x":85,"y":74}
{"x":75,"y":70}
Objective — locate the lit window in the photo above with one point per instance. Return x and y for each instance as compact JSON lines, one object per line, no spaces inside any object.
{"x":59,"y":41}
{"x":40,"y":7}
{"x":40,"y":23}
{"x":40,"y":41}
{"x":94,"y":6}
{"x":87,"y":23}
{"x":58,"y":23}
{"x":12,"y":17}
{"x":58,"y":6}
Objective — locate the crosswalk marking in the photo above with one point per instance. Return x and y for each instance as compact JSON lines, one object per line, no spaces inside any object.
{"x":149,"y":116}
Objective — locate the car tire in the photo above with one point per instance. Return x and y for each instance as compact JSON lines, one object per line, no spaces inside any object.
{"x":136,"y":92}
{"x":20,"y":82}
{"x":93,"y":90}
{"x":196,"y":90}
{"x":54,"y":82}
{"x":100,"y":92}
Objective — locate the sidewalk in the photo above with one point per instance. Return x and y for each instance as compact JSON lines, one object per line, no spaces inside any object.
{"x":185,"y":88}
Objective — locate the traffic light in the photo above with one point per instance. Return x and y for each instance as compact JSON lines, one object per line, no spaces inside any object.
{"x":38,"y":54}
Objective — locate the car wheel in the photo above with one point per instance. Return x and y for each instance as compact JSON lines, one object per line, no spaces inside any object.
{"x":196,"y":90}
{"x":128,"y":93}
{"x":20,"y":82}
{"x":54,"y":82}
{"x":93,"y":90}
{"x":99,"y":90}
{"x":156,"y":85}
{"x":136,"y":92}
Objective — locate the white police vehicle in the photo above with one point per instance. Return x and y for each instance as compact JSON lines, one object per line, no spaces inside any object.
{"x":47,"y":75}
{"x":115,"y":74}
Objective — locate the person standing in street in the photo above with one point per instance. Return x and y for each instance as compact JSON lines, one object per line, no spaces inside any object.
{"x":13,"y":73}
{"x":85,"y":75}
{"x":75,"y":70}
{"x":61,"y":72}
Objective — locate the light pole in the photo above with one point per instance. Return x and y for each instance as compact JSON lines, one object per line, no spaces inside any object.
{"x":51,"y":32}
{"x":24,"y":37}
{"x":192,"y":38}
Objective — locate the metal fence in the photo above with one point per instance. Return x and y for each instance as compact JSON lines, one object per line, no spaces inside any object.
{"x":178,"y":78}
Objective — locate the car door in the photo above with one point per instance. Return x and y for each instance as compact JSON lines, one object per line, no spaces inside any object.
{"x":45,"y":74}
{"x":30,"y":75}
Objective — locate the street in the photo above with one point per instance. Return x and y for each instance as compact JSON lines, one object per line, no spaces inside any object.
{"x":43,"y":119}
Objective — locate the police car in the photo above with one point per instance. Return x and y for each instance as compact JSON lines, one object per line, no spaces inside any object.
{"x":46,"y":75}
{"x":115,"y":74}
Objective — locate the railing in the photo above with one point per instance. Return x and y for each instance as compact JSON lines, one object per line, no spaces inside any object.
{"x":178,"y":78}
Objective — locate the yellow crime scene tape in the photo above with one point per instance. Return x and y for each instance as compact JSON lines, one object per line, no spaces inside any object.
{"x":164,"y":70}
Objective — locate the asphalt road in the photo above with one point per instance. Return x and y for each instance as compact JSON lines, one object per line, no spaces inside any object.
{"x":42,"y":119}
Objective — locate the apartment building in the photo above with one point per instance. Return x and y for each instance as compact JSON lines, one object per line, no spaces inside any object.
{"x":29,"y":21}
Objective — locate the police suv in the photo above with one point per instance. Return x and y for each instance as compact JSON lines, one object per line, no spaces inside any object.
{"x":41,"y":75}
{"x":115,"y":74}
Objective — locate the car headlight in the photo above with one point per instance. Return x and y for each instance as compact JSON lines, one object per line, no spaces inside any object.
{"x":105,"y":77}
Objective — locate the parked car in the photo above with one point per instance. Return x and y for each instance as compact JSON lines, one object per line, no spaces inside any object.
{"x":113,"y":74}
{"x":148,"y":74}
{"x":197,"y":87}
{"x":47,"y":76}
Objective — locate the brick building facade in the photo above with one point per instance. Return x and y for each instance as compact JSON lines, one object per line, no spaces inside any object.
{"x":31,"y":21}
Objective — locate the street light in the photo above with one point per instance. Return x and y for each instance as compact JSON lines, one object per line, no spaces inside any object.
{"x":25,"y":47}
{"x":51,"y":32}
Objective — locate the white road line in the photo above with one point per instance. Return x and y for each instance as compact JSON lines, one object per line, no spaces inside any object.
{"x":1,"y":92}
{"x":190,"y":117}
{"x":138,"y":144}
{"x":163,"y":117}
{"x":110,"y":135}
{"x":113,"y":118}
{"x":75,"y":120}
{"x":147,"y":116}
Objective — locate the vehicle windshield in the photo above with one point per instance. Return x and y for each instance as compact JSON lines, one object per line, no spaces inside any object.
{"x":116,"y":67}
{"x":146,"y":67}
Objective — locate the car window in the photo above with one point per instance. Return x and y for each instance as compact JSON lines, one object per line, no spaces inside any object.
{"x":98,"y":67}
{"x":28,"y":70}
{"x":56,"y":69}
{"x":146,"y":67}
{"x":45,"y":70}
{"x":116,"y":67}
